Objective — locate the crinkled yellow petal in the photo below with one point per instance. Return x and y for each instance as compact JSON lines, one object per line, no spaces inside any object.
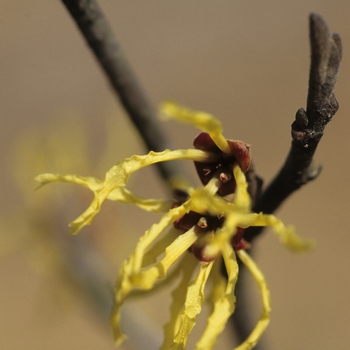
{"x":158,"y":247}
{"x":193,"y":306}
{"x":120,"y":194}
{"x":161,"y":283}
{"x":150,"y":235}
{"x":131,"y":276}
{"x":241,"y":196}
{"x":123,"y":195}
{"x":203,"y":121}
{"x":147,"y":278}
{"x":264,"y":320}
{"x":129,"y":273}
{"x":188,"y":264}
{"x":118,"y":176}
{"x":218,"y":284}
{"x":287,"y":234}
{"x":224,"y":302}
{"x":123,"y":287}
{"x":90,"y":182}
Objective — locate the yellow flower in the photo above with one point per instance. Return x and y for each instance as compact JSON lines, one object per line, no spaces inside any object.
{"x":209,"y":221}
{"x":63,"y":144}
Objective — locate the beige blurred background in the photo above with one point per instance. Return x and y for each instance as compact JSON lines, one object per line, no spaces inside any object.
{"x":244,"y":61}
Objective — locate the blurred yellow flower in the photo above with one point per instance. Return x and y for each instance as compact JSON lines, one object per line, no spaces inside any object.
{"x":199,"y":228}
{"x":62,"y":143}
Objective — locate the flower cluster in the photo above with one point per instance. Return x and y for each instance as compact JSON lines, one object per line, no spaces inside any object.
{"x":199,"y":229}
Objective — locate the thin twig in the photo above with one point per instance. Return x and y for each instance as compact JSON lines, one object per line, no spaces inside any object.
{"x":98,"y":34}
{"x":307,"y":131}
{"x":308,"y":127}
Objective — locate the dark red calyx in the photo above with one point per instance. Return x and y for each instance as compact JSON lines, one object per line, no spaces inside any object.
{"x":187,"y":221}
{"x":205,"y":223}
{"x":240,"y":154}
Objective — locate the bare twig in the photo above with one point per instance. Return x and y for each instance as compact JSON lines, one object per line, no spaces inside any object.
{"x":308,"y":127}
{"x":98,"y":34}
{"x":307,"y":131}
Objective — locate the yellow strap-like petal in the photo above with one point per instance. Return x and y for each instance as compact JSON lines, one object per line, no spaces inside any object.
{"x":264,"y":319}
{"x":193,"y":306}
{"x":118,"y":176}
{"x":151,"y":235}
{"x":203,"y":121}
{"x":123,"y":195}
{"x":287,"y":234}
{"x":120,"y":194}
{"x":241,"y":197}
{"x":224,"y":304}
{"x":218,"y":283}
{"x":90,"y":182}
{"x":147,"y":278}
{"x":188,"y":264}
{"x":122,"y":288}
{"x":151,"y":255}
{"x":130,"y":278}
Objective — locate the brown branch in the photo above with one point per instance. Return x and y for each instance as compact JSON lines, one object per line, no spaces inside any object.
{"x":308,"y":127}
{"x":307,"y":131}
{"x":93,"y":25}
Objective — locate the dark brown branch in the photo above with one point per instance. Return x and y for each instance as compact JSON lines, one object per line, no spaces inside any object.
{"x":307,"y":131}
{"x":308,"y":127}
{"x":98,"y":34}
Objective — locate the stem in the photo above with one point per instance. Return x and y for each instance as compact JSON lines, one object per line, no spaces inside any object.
{"x":307,"y":131}
{"x":93,"y":25}
{"x":308,"y":127}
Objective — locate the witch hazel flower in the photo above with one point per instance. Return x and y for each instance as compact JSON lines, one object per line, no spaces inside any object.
{"x":200,"y":228}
